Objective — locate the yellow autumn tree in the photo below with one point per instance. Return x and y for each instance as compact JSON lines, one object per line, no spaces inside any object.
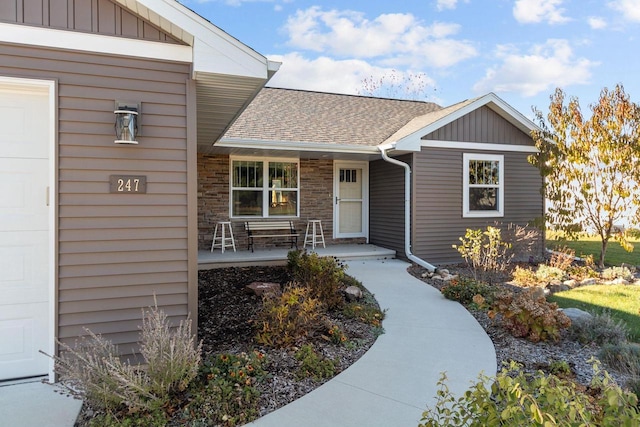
{"x":591,"y":165}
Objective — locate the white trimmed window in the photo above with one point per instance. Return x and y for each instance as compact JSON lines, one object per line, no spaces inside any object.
{"x":264,"y":188}
{"x":483,"y":185}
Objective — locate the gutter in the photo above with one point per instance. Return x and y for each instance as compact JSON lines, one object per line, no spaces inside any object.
{"x":407,"y":207}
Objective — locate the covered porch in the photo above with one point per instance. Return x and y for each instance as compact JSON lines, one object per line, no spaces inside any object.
{"x":278,"y":256}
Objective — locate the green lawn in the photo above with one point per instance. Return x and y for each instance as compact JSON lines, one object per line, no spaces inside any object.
{"x":591,"y":246}
{"x":621,"y":301}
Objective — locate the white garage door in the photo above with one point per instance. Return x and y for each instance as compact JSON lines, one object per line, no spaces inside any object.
{"x":25,"y":281}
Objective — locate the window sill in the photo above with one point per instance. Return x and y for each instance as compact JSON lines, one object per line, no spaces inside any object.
{"x":490,"y":214}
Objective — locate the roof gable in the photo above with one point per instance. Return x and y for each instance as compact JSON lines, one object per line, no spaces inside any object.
{"x":409,"y":138}
{"x":482,"y":125}
{"x":104,"y":17}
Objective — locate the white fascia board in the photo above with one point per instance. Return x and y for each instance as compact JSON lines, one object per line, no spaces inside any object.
{"x":412,"y":142}
{"x":481,"y":146}
{"x":259,"y":144}
{"x":98,"y":43}
{"x":215,"y":51}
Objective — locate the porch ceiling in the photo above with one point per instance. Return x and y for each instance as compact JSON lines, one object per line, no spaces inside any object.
{"x":220,"y":100}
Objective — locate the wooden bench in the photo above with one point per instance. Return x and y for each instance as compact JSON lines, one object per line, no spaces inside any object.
{"x":273,"y":229}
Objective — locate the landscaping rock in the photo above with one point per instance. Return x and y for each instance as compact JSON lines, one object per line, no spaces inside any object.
{"x":353,"y":293}
{"x":261,"y":288}
{"x":619,"y":281}
{"x":560,"y":287}
{"x":444,"y":279}
{"x":576,"y":315}
{"x":589,"y":282}
{"x":570,"y":283}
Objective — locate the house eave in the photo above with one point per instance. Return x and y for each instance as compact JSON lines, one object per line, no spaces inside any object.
{"x":302,"y":149}
{"x":228,"y":73}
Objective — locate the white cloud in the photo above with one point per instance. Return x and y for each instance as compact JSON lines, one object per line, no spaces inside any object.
{"x":545,"y":67}
{"x":597,"y":23}
{"x":630,"y":9}
{"x":535,"y":11}
{"x":329,"y":75}
{"x":391,"y":39}
{"x":446,"y":4}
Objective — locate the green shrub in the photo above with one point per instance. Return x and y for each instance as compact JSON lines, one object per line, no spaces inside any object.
{"x":484,"y":251}
{"x":527,"y":314}
{"x":581,"y":272}
{"x":364,"y":312}
{"x":288,"y":318}
{"x":601,"y":329}
{"x":633,"y":385}
{"x":516,"y":398}
{"x":463,"y":290}
{"x":226,"y":393}
{"x":546,"y":273}
{"x":560,"y":368}
{"x":313,"y":365}
{"x":322,"y":275}
{"x":613,"y":273}
{"x":336,"y":335}
{"x":93,"y":371}
{"x":524,"y":277}
{"x":623,"y":357}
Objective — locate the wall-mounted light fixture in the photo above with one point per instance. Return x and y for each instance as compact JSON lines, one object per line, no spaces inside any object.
{"x":127,"y":118}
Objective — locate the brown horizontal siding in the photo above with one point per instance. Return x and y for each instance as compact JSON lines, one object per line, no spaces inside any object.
{"x":438,"y":222}
{"x":120,"y":257}
{"x":123,"y":291}
{"x":107,"y":328}
{"x":482,"y":125}
{"x":95,"y":16}
{"x":386,"y":195}
{"x":120,"y":304}
{"x":115,"y":280}
{"x":115,"y":249}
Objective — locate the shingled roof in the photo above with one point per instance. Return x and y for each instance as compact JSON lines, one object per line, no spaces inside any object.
{"x":303,"y":116}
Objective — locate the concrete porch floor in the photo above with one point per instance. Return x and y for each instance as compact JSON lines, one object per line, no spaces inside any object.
{"x":277,"y":256}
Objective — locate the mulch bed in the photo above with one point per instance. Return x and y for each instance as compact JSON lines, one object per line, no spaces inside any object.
{"x":225,"y":325}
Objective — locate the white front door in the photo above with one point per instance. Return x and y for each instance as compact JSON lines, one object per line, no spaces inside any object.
{"x":351,"y":188}
{"x":25,"y":279}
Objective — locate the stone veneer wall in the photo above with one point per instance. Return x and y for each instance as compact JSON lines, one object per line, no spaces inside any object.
{"x":316,"y":201}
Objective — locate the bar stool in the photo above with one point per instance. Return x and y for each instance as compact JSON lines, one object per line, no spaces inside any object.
{"x":317,"y":236}
{"x":223,"y":241}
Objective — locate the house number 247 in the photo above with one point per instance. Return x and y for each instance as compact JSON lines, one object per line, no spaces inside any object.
{"x":127,"y":184}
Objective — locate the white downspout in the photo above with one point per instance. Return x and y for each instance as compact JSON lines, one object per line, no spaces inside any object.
{"x":407,"y":207}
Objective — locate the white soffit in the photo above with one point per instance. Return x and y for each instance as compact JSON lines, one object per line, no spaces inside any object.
{"x":214,"y":51}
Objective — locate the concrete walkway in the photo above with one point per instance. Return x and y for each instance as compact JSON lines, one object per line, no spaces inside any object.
{"x":390,"y":385}
{"x":30,"y":403}
{"x":425,"y":334}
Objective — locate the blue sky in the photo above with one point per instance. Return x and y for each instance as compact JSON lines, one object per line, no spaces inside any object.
{"x":520,"y":49}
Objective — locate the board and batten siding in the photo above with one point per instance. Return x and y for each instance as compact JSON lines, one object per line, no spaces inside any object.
{"x":438,"y":223}
{"x":386,"y":204}
{"x":482,"y":125}
{"x":115,"y":251}
{"x":93,"y":16}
